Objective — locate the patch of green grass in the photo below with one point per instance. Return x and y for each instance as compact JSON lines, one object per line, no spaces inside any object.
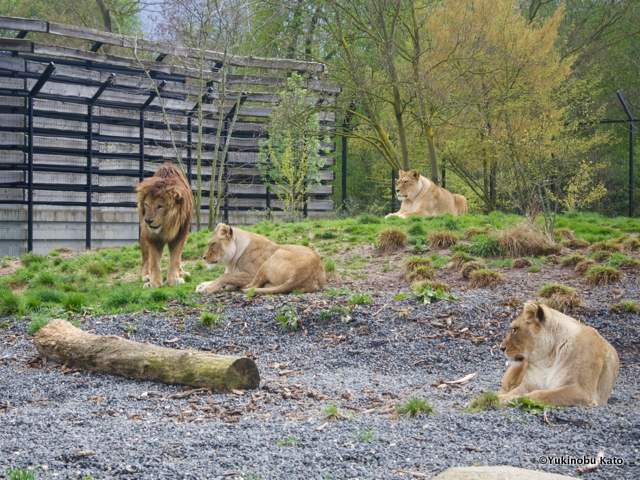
{"x":17,"y":473}
{"x":44,"y":279}
{"x":10,"y":304}
{"x":486,"y":401}
{"x":421,"y":273}
{"x":331,"y":412}
{"x":533,"y":269}
{"x":427,"y":293}
{"x":617,"y":259}
{"x":439,"y":261}
{"x":501,"y":263}
{"x":287,"y":442}
{"x":36,"y":323}
{"x":121,"y":297}
{"x":531,"y":406}
{"x":29,"y":259}
{"x":288,"y":317}
{"x":324,"y":316}
{"x":367,"y":218}
{"x":416,"y":229}
{"x":628,"y":306}
{"x":485,"y":278}
{"x":550,"y":289}
{"x":602,"y":275}
{"x":359,"y":299}
{"x":334,"y":292}
{"x":484,"y":246}
{"x":208,"y":319}
{"x":415,"y":407}
{"x":74,"y":302}
{"x":366,"y":435}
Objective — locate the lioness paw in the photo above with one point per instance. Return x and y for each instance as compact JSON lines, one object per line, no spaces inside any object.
{"x":205,"y":287}
{"x":175,"y":281}
{"x":152,"y":285}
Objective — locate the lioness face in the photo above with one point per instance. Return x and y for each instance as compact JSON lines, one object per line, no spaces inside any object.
{"x":408,"y":184}
{"x":155,"y":210}
{"x":222,"y":246}
{"x":520,"y":341}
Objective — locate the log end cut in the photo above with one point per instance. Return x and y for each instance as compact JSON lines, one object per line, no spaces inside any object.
{"x":242,"y":375}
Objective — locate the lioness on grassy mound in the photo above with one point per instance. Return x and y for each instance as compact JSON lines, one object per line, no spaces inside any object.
{"x":165,"y":204}
{"x":254,"y":261}
{"x":557,"y":360}
{"x":420,"y":196}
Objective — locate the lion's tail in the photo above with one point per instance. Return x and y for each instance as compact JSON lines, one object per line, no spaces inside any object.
{"x":286,"y":287}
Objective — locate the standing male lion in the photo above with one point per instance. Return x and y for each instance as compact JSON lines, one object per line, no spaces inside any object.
{"x":165,"y":206}
{"x":557,"y":360}
{"x":254,"y":261}
{"x":420,"y":196}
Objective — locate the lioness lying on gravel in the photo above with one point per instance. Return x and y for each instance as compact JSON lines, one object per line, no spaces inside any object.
{"x":558,"y":360}
{"x":254,"y":261}
{"x":420,"y":196}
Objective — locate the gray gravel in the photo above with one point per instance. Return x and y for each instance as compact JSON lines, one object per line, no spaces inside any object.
{"x":68,"y":424}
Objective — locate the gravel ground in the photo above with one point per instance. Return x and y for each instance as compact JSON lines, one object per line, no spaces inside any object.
{"x":68,"y":423}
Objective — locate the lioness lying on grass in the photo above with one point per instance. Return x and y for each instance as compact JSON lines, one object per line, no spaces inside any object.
{"x":254,"y":261}
{"x":557,"y":360}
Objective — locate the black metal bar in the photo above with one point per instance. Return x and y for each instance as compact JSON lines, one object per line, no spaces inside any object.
{"x":30,"y":193}
{"x":226,"y":190}
{"x":161,"y":57}
{"x":627,"y":110}
{"x":141,"y":145}
{"x":443,"y":174}
{"x":102,"y":88}
{"x":229,"y":116}
{"x":190,"y":147}
{"x":305,"y":211}
{"x":22,"y":33}
{"x":43,"y":79}
{"x":89,"y":178}
{"x":393,"y":190}
{"x":344,"y":171}
{"x":217,"y":67}
{"x":95,"y":47}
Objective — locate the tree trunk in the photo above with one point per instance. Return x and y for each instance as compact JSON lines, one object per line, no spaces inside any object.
{"x":63,"y":343}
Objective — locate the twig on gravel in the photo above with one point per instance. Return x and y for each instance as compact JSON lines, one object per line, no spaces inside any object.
{"x":413,"y":474}
{"x":474,"y":449}
{"x":588,"y":468}
{"x":322,"y":426}
{"x":544,"y":415}
{"x":186,"y":394}
{"x":84,"y":453}
{"x":380,"y":309}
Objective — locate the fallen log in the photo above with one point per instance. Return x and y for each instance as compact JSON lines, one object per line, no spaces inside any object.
{"x":61,"y":342}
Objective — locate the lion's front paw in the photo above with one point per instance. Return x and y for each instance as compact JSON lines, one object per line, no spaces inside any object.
{"x":151,"y":284}
{"x":175,"y":281}
{"x":146,"y":278}
{"x":206,"y":287}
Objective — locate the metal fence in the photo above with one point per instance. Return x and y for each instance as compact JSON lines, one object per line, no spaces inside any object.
{"x":79,"y":130}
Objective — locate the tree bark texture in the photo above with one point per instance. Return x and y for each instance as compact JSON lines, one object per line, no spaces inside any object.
{"x":63,"y":343}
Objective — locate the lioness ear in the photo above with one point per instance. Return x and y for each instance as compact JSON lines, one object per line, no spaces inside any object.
{"x":225,"y":230}
{"x":414,"y":174}
{"x":401,"y":172}
{"x":540,"y":314}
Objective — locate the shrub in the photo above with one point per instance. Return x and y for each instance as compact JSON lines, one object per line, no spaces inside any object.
{"x":208,"y":319}
{"x":443,"y":239}
{"x":427,"y":294}
{"x":484,"y":246}
{"x":421,"y":273}
{"x":391,"y":240}
{"x":485,"y":278}
{"x":289,"y":318}
{"x":601,"y":275}
{"x":416,"y":229}
{"x":471,"y":267}
{"x":411,"y":263}
{"x":414,"y":407}
{"x":582,"y":267}
{"x":571,"y":260}
{"x":525,"y":239}
{"x":486,"y":401}
{"x":628,"y":306}
{"x":522,"y":263}
{"x":367,"y":218}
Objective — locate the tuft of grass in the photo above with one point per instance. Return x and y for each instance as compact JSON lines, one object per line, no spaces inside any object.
{"x":415,"y":407}
{"x":421,"y":273}
{"x":331,"y":412}
{"x":618,"y":259}
{"x":484,"y":246}
{"x":571,"y":260}
{"x":564,"y":233}
{"x":550,"y":289}
{"x":289,"y":318}
{"x":426,"y":294}
{"x":416,"y":229}
{"x":442,"y":239}
{"x":525,"y":239}
{"x":74,"y":302}
{"x":460,"y":258}
{"x":533,"y":269}
{"x":485,"y":278}
{"x":208,"y":319}
{"x":576,"y":244}
{"x":44,"y":279}
{"x":365,"y":436}
{"x":16,"y":473}
{"x":631,"y":264}
{"x":36,"y":323}
{"x":631,"y":245}
{"x":486,"y":401}
{"x":326,"y":234}
{"x":10,"y":304}
{"x":522,"y":263}
{"x":287,"y":442}
{"x":628,"y":306}
{"x":367,"y":218}
{"x":473,"y":231}
{"x":531,"y":406}
{"x":359,"y":299}
{"x":470,"y":267}
{"x":600,"y":255}
{"x":564,"y":302}
{"x":330,"y":270}
{"x":416,"y":286}
{"x":121,"y":297}
{"x":582,"y":267}
{"x":391,"y":240}
{"x":29,"y":259}
{"x":607,"y":246}
{"x":601,"y":275}
{"x":411,"y":263}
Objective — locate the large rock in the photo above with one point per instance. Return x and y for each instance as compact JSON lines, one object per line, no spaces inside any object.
{"x":497,"y":473}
